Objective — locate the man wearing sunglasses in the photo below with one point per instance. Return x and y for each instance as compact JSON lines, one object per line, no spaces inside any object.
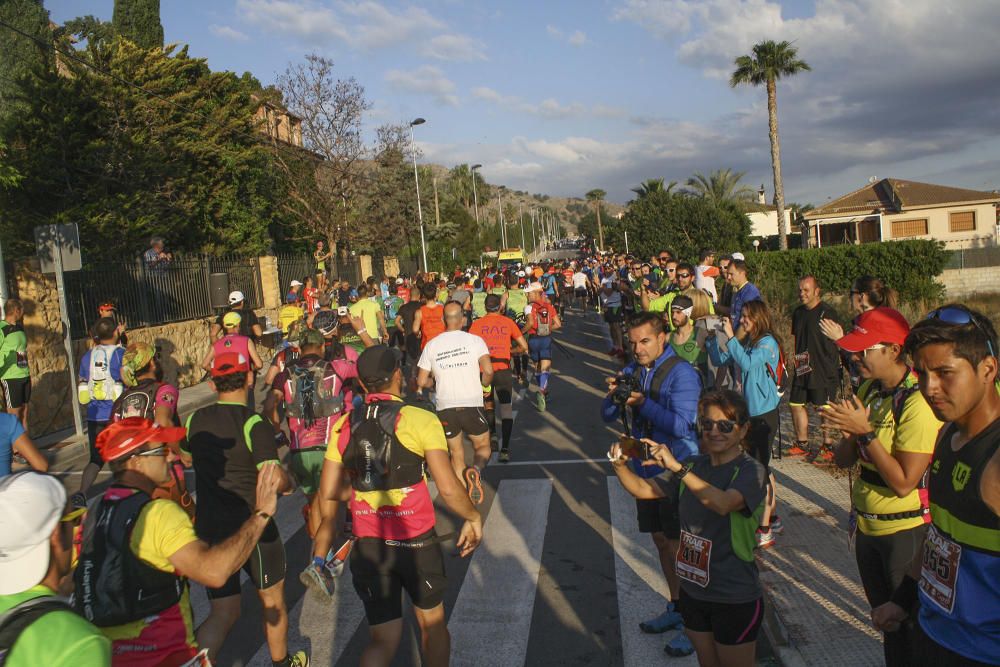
{"x":36,"y":547}
{"x":954,"y":353}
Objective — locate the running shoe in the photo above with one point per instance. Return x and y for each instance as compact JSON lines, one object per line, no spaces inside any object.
{"x":776,"y":526}
{"x":823,"y":457}
{"x":78,"y":500}
{"x":335,"y":559}
{"x":474,"y":484}
{"x":679,"y":646}
{"x":299,"y":659}
{"x":540,"y":400}
{"x":765,"y":538}
{"x":668,"y":620}
{"x":318,"y":578}
{"x":504,"y":455}
{"x":797,"y":450}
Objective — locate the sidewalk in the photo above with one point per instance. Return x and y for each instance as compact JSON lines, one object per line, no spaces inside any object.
{"x":819,"y":614}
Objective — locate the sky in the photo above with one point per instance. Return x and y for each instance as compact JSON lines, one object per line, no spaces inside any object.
{"x":560,"y":97}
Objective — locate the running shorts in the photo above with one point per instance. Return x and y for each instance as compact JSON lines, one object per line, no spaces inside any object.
{"x":396,"y":337}
{"x":16,"y":392}
{"x":659,"y":516}
{"x":503,"y":386}
{"x":799,"y":395}
{"x":470,"y":421}
{"x":581,"y":292}
{"x":93,"y":430}
{"x":412,"y":346}
{"x":306,"y":465}
{"x":613,"y":315}
{"x":540,"y":347}
{"x":382,"y":572}
{"x":731,"y":624}
{"x":265,"y":567}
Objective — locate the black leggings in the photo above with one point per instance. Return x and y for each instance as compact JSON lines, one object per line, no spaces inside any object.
{"x":882,"y":562}
{"x":763,"y":428}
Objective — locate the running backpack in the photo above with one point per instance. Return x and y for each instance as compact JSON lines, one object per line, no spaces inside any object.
{"x":316,"y":392}
{"x":102,"y":384}
{"x":779,"y":375}
{"x":543,"y":319}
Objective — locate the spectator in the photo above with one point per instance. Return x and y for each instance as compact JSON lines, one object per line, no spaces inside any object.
{"x":249,"y":324}
{"x":36,"y":546}
{"x":725,"y":299}
{"x":320,"y":255}
{"x":294,"y":291}
{"x":744,"y":291}
{"x":706,"y":272}
{"x":15,"y":375}
{"x":156,"y":258}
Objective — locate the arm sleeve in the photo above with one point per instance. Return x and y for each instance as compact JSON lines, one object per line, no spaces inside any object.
{"x":263,"y":447}
{"x":683,"y":391}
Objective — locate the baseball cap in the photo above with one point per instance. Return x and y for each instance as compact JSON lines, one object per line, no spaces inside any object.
{"x":399,"y":281}
{"x":229,"y":362}
{"x":125,"y":436}
{"x":378,"y":362}
{"x":295,"y":283}
{"x":520,"y":274}
{"x":533,"y":287}
{"x":880,"y":325}
{"x":137,"y":356}
{"x":231,"y":319}
{"x":31,"y":505}
{"x":235,"y":297}
{"x":311,"y":337}
{"x":739,"y":256}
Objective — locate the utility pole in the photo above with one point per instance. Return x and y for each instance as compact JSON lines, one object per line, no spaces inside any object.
{"x":503,"y":231}
{"x":437,"y":209}
{"x":520,"y":214}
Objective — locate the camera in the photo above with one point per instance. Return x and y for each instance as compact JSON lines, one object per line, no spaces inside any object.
{"x":623,"y":389}
{"x":342,"y":311}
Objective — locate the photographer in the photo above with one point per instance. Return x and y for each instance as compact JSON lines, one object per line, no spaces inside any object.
{"x":721,"y":497}
{"x":656,"y":396}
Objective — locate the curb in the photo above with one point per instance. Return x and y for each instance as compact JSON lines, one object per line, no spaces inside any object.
{"x":777,"y":635}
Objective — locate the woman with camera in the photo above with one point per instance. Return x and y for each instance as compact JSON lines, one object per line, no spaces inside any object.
{"x":755,"y":351}
{"x":722,"y":493}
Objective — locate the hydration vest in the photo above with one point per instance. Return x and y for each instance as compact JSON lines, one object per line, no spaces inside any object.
{"x":139,"y":401}
{"x":543,"y":313}
{"x":374,"y":458}
{"x":314,"y":392}
{"x":113,"y":586}
{"x":102,"y":386}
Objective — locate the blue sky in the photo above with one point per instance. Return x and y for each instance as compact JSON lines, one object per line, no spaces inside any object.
{"x":562,"y":97}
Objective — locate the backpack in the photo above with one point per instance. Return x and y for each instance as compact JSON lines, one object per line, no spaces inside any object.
{"x":316,"y":391}
{"x":139,"y":401}
{"x":779,"y":375}
{"x":543,"y":319}
{"x":102,"y":384}
{"x":16,"y":620}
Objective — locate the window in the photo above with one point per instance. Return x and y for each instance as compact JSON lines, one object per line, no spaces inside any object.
{"x":903,"y":228}
{"x":962,"y":221}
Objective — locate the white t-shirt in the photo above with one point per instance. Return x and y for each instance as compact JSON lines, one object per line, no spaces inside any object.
{"x":703,"y":282}
{"x":579,"y":280}
{"x":453,"y":359}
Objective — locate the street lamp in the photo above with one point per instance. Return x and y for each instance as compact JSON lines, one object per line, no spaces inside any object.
{"x":756,"y":245}
{"x":475,"y":197}
{"x":416,"y":179}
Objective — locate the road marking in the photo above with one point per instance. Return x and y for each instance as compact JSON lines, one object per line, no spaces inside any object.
{"x":554,"y":462}
{"x":642,"y":589}
{"x":491,"y":621}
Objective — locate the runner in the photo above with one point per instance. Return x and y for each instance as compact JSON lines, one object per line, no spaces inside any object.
{"x":370,"y":311}
{"x":14,"y":441}
{"x":134,"y":593}
{"x":428,"y":321}
{"x":954,"y":350}
{"x":503,"y":338}
{"x":317,"y":393}
{"x":611,"y":307}
{"x":233,"y":341}
{"x":228,"y":443}
{"x":36,"y":543}
{"x":249,"y":324}
{"x":541,"y":320}
{"x":580,"y":290}
{"x":15,"y":375}
{"x":397,"y":548}
{"x":458,"y":365}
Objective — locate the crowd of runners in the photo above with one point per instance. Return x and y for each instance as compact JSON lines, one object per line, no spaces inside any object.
{"x":376,"y":389}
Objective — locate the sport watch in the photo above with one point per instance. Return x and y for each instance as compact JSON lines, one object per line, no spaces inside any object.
{"x":866,"y":439}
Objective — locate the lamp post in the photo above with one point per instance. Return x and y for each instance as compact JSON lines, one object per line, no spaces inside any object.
{"x":503,"y":227}
{"x":416,"y":179}
{"x":475,"y":197}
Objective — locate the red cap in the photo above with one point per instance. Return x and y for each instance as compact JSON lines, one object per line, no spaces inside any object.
{"x":229,"y":362}
{"x":125,"y":436}
{"x":880,"y":325}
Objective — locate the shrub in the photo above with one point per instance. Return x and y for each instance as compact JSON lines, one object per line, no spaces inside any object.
{"x":909,"y":267}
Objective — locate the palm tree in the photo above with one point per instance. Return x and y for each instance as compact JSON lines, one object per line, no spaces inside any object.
{"x":769,"y":62}
{"x":651,"y":185}
{"x":719,"y":186}
{"x":597,"y":196}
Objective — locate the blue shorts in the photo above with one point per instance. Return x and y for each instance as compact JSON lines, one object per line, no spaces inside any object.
{"x":540,"y":347}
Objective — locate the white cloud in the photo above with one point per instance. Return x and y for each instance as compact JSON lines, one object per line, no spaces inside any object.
{"x":424,"y":80}
{"x":547,"y":108}
{"x":378,"y":27}
{"x":226,"y":32}
{"x":457,"y":48}
{"x":307,"y":21}
{"x":576,"y":38}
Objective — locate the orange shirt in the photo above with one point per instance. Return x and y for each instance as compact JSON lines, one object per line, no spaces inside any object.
{"x":499,"y":331}
{"x":431,"y":323}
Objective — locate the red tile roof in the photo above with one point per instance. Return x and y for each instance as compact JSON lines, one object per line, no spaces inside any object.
{"x":892,"y":195}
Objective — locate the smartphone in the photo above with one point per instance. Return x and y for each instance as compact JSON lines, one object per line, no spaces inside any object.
{"x":713,"y":323}
{"x":342,"y":310}
{"x":635,"y":448}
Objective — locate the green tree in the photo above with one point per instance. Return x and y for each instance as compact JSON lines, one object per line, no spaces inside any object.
{"x":720,"y":186}
{"x":597,"y":196}
{"x":651,"y":185}
{"x":768,"y":62}
{"x":21,"y":55}
{"x":139,"y":21}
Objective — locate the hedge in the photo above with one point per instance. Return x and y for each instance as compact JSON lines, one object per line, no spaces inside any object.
{"x":909,"y":267}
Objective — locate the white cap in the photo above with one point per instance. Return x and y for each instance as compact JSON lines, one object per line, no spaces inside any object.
{"x":31,"y":505}
{"x":739,"y":256}
{"x":399,"y":281}
{"x":520,"y":274}
{"x":235,"y":297}
{"x":533,"y":287}
{"x":295,"y":283}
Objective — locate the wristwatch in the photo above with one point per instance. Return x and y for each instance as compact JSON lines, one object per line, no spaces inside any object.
{"x":685,"y":469}
{"x":866,"y":439}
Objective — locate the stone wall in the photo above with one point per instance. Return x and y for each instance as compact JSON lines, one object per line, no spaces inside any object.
{"x":965,"y":282}
{"x":183,"y":345}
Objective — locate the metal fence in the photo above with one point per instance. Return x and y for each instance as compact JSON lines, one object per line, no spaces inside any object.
{"x":294,"y":267}
{"x":972,"y":258}
{"x":147,"y":296}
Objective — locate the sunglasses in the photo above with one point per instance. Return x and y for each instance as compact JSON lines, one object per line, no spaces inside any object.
{"x":664,"y":259}
{"x":724,"y":425}
{"x":683,"y":275}
{"x":159,"y":451}
{"x":960,"y":316}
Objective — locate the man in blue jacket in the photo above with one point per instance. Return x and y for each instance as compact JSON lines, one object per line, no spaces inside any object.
{"x":664,"y":410}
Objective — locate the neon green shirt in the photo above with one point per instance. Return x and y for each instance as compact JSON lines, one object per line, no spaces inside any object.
{"x":57,"y":639}
{"x":13,"y":352}
{"x":367,"y":310}
{"x":516,"y":301}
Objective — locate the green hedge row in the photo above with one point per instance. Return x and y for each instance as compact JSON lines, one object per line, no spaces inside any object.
{"x":909,"y":267}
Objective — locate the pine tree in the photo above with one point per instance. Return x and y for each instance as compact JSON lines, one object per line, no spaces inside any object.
{"x":19,"y":55}
{"x":139,"y":21}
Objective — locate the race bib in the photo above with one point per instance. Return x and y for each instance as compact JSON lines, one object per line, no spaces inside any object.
{"x":939,"y":570}
{"x":693,"y":559}
{"x":801,"y":362}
